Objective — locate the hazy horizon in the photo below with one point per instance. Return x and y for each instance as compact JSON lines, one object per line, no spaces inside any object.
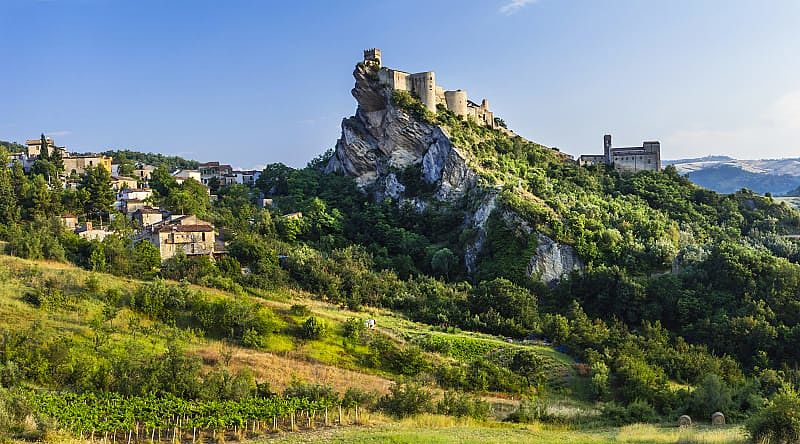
{"x":250,"y":83}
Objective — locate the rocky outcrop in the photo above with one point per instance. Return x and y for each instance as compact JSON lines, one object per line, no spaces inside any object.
{"x":552,"y":260}
{"x":382,"y":137}
{"x":478,"y":221}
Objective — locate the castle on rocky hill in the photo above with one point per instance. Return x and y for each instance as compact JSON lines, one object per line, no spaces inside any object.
{"x":631,"y":159}
{"x":423,"y":86}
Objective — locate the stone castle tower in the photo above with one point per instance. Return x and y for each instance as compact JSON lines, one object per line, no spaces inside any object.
{"x":423,"y":85}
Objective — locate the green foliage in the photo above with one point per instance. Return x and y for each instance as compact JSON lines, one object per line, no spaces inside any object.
{"x":313,"y":328}
{"x":170,"y":163}
{"x":406,"y":399}
{"x":462,"y":405}
{"x":636,"y":412}
{"x":779,"y":422}
{"x":96,"y":183}
{"x":406,"y":101}
{"x":529,"y":410}
{"x":712,"y":395}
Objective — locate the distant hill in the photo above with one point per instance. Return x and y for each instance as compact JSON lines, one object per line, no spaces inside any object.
{"x":726,"y":175}
{"x":698,"y":159}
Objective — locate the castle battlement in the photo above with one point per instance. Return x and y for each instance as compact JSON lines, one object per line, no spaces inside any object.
{"x":423,"y":86}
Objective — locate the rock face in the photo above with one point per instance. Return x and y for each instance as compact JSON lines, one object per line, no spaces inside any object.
{"x":553,"y":260}
{"x":382,"y":137}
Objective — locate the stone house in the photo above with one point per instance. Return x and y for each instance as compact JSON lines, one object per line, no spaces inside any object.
{"x":147,"y":216}
{"x":69,"y":220}
{"x":88,"y":232}
{"x":78,"y":164}
{"x":187,"y":233}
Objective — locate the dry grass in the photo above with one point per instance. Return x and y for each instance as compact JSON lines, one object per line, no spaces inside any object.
{"x":280,"y":371}
{"x":650,"y":434}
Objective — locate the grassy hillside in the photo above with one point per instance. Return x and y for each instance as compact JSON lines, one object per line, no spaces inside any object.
{"x":67,"y":328}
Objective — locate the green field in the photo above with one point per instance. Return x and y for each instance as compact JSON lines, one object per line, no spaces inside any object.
{"x":440,"y":430}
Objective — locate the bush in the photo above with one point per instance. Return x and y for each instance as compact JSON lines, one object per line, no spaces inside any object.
{"x":313,"y":328}
{"x":779,"y":423}
{"x":406,"y":400}
{"x":529,"y":410}
{"x":712,"y":395}
{"x":299,"y":310}
{"x":312,"y":392}
{"x":357,"y":397}
{"x":637,"y":411}
{"x":352,"y":328}
{"x":462,"y":405}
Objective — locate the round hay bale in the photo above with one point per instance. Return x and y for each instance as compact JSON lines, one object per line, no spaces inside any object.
{"x":684,"y":421}
{"x":717,"y":419}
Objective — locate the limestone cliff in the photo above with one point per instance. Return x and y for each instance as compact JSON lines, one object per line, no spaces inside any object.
{"x":381,"y":138}
{"x":553,"y":260}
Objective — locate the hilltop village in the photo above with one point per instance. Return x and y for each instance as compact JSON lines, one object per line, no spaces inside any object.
{"x":170,"y":232}
{"x":177,"y":233}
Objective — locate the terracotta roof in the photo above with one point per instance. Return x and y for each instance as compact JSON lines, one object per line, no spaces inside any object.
{"x":186,"y":228}
{"x":67,"y":215}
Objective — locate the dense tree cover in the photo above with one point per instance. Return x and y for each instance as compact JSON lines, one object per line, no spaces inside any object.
{"x":130,"y":158}
{"x":681,"y":285}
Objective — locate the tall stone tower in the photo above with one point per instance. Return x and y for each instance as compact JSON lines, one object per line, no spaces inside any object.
{"x":607,"y":147}
{"x":372,"y":57}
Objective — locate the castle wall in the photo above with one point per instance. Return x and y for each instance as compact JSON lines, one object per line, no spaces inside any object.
{"x":423,"y":84}
{"x":626,"y":161}
{"x":456,"y":102}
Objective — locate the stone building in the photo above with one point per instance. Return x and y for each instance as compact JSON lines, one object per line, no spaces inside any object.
{"x":187,"y":233}
{"x":78,"y":164}
{"x":142,"y":172}
{"x":210,"y":170}
{"x":35,"y":147}
{"x":423,"y":85}
{"x":182,"y":175}
{"x":631,"y":159}
{"x":147,"y":215}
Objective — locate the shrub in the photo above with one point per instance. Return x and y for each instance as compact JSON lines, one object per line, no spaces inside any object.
{"x":529,"y":410}
{"x":352,"y":328}
{"x":313,"y":328}
{"x":357,"y":397}
{"x":312,"y":392}
{"x":712,"y":395}
{"x":406,"y":400}
{"x":462,"y":405}
{"x":299,"y":310}
{"x":637,"y":411}
{"x":779,"y":423}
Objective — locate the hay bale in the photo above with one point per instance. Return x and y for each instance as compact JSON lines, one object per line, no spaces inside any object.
{"x":684,"y":421}
{"x":717,"y":419}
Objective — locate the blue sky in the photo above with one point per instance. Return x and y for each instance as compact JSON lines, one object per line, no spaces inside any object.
{"x":254,"y":82}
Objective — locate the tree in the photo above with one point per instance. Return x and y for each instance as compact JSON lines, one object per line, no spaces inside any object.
{"x":9,"y":207}
{"x":44,"y":153}
{"x":146,"y":258}
{"x":162,"y":181}
{"x":96,"y":181}
{"x":39,"y":202}
{"x":778,"y":423}
{"x":712,"y":395}
{"x":443,"y":261}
